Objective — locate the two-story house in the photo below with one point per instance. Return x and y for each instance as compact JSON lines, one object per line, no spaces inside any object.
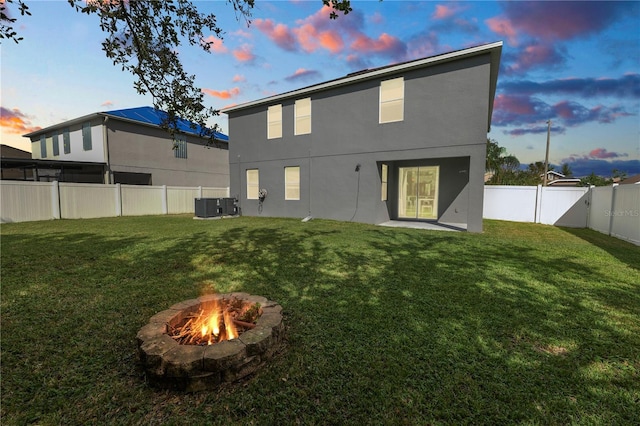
{"x":401,"y":142}
{"x":131,"y":147}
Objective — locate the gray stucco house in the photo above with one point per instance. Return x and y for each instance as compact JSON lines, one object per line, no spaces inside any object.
{"x":129,"y":146}
{"x":401,"y":142}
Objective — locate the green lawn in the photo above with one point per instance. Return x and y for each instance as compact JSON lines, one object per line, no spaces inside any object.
{"x":523,"y":324}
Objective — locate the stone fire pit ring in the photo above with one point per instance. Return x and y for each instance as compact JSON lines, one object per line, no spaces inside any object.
{"x":170,"y":365}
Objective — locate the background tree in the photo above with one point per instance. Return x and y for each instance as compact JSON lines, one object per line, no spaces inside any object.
{"x":566,"y":170}
{"x":143,"y":37}
{"x":595,"y":180}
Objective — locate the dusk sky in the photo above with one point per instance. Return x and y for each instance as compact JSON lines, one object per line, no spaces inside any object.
{"x":574,"y":63}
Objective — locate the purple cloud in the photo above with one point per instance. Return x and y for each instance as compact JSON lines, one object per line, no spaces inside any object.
{"x":628,"y":86}
{"x":302,"y":74}
{"x":548,"y":20}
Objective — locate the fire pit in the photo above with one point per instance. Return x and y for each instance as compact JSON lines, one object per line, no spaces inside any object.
{"x":246,"y":333}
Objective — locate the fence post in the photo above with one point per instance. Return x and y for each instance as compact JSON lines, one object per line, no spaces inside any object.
{"x":165,"y":201}
{"x":613,"y":205}
{"x":55,"y":199}
{"x":118,"y":195}
{"x":538,"y":212}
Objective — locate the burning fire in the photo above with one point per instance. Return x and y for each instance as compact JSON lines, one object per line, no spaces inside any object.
{"x":221,"y":322}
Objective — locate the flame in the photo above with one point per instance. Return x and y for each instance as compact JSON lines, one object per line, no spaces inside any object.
{"x":208,"y":327}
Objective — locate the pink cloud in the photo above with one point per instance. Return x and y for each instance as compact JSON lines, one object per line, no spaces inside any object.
{"x":107,"y":104}
{"x":244,"y":53}
{"x":603,"y":153}
{"x":302,"y":74}
{"x":385,"y":43}
{"x":443,"y":12}
{"x":278,"y":33}
{"x":503,"y":27}
{"x":239,"y":78}
{"x":16,"y":122}
{"x":224,"y":94}
{"x":535,"y":55}
{"x":514,"y":104}
{"x":216,"y":45}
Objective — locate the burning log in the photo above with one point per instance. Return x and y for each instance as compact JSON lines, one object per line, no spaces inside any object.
{"x":225,"y":320}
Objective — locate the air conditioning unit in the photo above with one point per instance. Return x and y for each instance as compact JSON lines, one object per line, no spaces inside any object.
{"x":208,"y":207}
{"x":229,"y":206}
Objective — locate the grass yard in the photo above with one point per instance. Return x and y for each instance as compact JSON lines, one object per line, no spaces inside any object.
{"x":523,"y":324}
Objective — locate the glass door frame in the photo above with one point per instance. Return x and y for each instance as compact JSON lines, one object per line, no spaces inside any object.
{"x":418,"y":190}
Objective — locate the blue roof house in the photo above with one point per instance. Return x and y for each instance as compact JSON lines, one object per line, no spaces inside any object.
{"x":134,"y":149}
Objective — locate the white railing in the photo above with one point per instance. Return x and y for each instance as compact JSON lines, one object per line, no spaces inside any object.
{"x":29,"y":201}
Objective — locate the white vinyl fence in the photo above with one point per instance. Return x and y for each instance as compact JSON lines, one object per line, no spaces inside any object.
{"x":612,"y":210}
{"x":28,"y":201}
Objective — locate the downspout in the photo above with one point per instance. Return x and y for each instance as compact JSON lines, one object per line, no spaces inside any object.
{"x":105,"y":138}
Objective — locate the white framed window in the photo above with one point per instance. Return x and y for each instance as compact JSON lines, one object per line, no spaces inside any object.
{"x":180,"y":147}
{"x":302,"y":123}
{"x":253,"y":184}
{"x":292,"y":183}
{"x":384,"y":176}
{"x":274,"y":122}
{"x":392,"y":100}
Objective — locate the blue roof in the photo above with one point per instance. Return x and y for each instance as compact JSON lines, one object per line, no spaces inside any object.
{"x":153,"y":116}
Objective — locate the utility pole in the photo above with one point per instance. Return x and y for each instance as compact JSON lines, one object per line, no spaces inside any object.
{"x":546,"y":157}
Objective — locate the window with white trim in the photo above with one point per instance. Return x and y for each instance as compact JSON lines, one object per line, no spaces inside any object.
{"x":392,"y":100}
{"x":384,"y":176}
{"x":292,"y":183}
{"x":302,"y":123}
{"x":274,"y":122}
{"x":253,"y":184}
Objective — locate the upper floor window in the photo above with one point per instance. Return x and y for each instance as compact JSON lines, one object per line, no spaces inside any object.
{"x":43,"y":146}
{"x":292,"y":183}
{"x":253,"y":184}
{"x":56,"y":145}
{"x":66,"y":141}
{"x":392,"y":100}
{"x":180,"y":147}
{"x":302,"y":117}
{"x":274,"y":122}
{"x":86,"y":136}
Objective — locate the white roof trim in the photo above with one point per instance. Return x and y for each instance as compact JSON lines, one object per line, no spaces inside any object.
{"x":486,"y":48}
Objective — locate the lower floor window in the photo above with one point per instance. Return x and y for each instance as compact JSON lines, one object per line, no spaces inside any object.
{"x":253,"y":184}
{"x":292,"y":183}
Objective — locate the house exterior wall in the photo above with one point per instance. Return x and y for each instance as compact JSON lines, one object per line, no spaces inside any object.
{"x":77,"y":151}
{"x":136,"y":148}
{"x":445,"y":124}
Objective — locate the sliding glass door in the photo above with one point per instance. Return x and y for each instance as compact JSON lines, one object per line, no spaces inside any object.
{"x":418,"y":192}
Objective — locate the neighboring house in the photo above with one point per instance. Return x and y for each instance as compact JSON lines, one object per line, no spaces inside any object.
{"x":12,"y":159}
{"x":558,"y":179}
{"x":130,"y":147}
{"x":405,"y":141}
{"x":631,"y":180}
